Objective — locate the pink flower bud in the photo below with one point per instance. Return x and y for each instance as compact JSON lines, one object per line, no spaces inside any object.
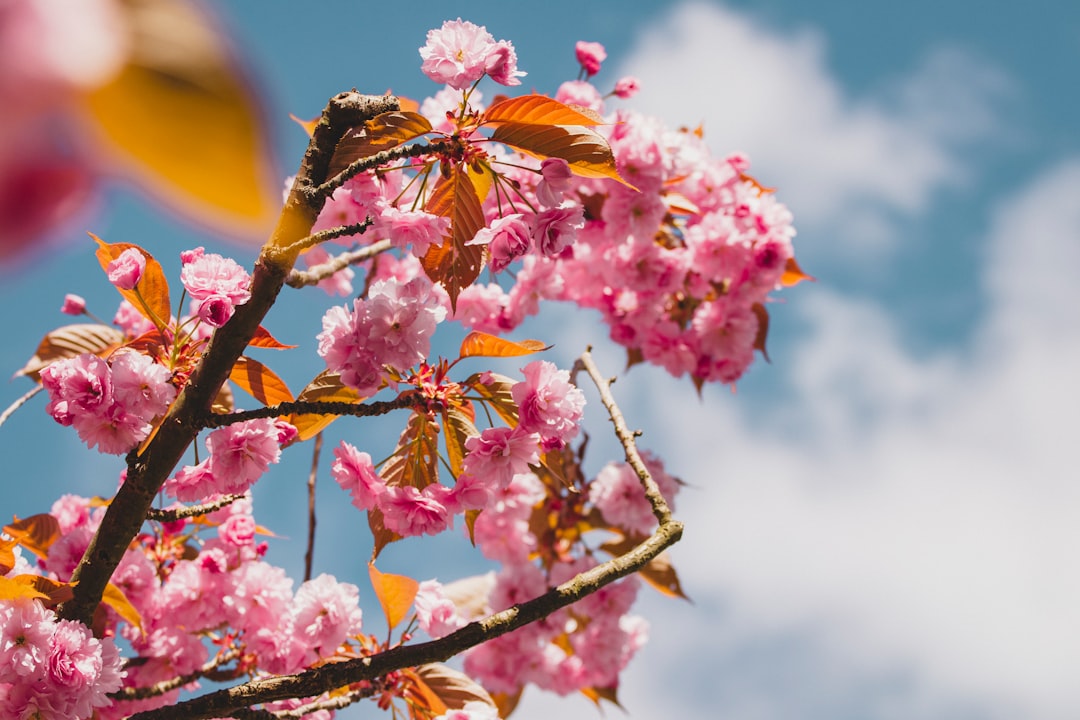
{"x":627,"y":87}
{"x":73,"y":305}
{"x":126,"y":271}
{"x":590,"y":55}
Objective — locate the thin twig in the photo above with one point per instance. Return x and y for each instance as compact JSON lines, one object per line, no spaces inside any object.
{"x":300,"y":278}
{"x":19,"y":403}
{"x":302,"y":407}
{"x":329,"y":234}
{"x":309,"y":556}
{"x":373,"y":161}
{"x":174,"y":514}
{"x":141,"y":693}
{"x":626,"y":437}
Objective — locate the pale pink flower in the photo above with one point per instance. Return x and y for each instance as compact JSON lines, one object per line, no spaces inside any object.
{"x":471,"y":492}
{"x":435,"y":612}
{"x":325,"y":613}
{"x":238,"y":530}
{"x":580,"y":92}
{"x":192,"y":483}
{"x":501,"y":64}
{"x":619,"y":496}
{"x":127,"y":269}
{"x":114,"y":432}
{"x":71,"y":511}
{"x":141,"y":385}
{"x":408,"y":511}
{"x":355,"y":473}
{"x":218,"y":283}
{"x":340,"y":283}
{"x":507,"y":239}
{"x":548,"y":403}
{"x":81,"y":670}
{"x":73,"y":305}
{"x":457,"y":53}
{"x":556,"y":228}
{"x":81,"y":385}
{"x":627,"y":87}
{"x":131,"y":321}
{"x":258,"y":597}
{"x":590,"y":55}
{"x":26,"y":627}
{"x":416,"y":228}
{"x":472,"y":710}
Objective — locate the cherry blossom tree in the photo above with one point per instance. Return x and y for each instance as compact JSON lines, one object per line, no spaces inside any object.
{"x":455,"y":210}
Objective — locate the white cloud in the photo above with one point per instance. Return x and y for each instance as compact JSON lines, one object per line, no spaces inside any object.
{"x":843,"y":162}
{"x":912,"y":552}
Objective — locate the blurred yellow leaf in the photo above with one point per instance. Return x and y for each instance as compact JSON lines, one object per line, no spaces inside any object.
{"x":181,"y":118}
{"x":395,"y":594}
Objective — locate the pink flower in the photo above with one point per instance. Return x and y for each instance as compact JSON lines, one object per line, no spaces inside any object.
{"x":580,"y":92}
{"x":340,"y":283}
{"x":73,"y":305}
{"x":457,"y":53}
{"x":141,"y":385}
{"x":81,"y":670}
{"x":241,"y":453}
{"x":507,"y":239}
{"x":557,"y":228}
{"x":238,"y":530}
{"x":435,"y":612}
{"x":590,"y":55}
{"x":219,"y":284}
{"x":325,"y":612}
{"x":627,"y":87}
{"x":416,"y":228}
{"x":131,"y":321}
{"x":26,"y":628}
{"x":127,"y":270}
{"x":355,"y":473}
{"x":192,"y":483}
{"x":499,"y":453}
{"x":548,"y":403}
{"x":408,"y":511}
{"x":81,"y":385}
{"x":472,"y":710}
{"x":618,"y":494}
{"x":555,"y":182}
{"x":501,"y":64}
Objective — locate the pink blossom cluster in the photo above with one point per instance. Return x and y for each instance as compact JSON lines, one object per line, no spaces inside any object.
{"x":111,"y":403}
{"x":460,"y":53}
{"x":52,"y":669}
{"x":391,"y":327}
{"x":239,"y":454}
{"x":550,"y":414}
{"x":218,"y":284}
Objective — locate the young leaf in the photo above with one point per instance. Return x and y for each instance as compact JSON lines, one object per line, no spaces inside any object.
{"x":479,"y":344}
{"x":7,"y":555}
{"x":263,"y":339}
{"x":454,"y":264}
{"x":382,"y":132}
{"x":260,"y":381}
{"x":460,"y":426}
{"x":395,"y":594}
{"x":380,"y":533}
{"x":114,"y":597}
{"x":539,"y":110}
{"x":70,"y":341}
{"x":183,"y":119}
{"x":20,"y":586}
{"x":307,"y":125}
{"x":153,"y":287}
{"x":793,"y":274}
{"x":36,"y":533}
{"x":452,"y":687}
{"x":587,"y":153}
{"x":416,"y":459}
{"x":596,"y":694}
{"x":506,"y":702}
{"x":497,"y":394}
{"x":326,"y":387}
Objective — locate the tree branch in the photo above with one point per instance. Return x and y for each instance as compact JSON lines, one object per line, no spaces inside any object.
{"x":309,"y":555}
{"x":148,"y":470}
{"x":299,"y":278}
{"x":336,"y":675}
{"x":191,"y":510}
{"x":373,"y":161}
{"x":305,"y":407}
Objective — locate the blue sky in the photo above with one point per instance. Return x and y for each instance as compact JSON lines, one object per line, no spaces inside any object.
{"x":881,"y":523}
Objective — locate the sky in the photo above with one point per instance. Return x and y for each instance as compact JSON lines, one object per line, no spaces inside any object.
{"x":881,"y":522}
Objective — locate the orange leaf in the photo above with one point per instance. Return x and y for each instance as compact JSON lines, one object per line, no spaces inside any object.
{"x":153,"y":287}
{"x":395,"y":594}
{"x":658,"y":572}
{"x":587,"y":153}
{"x":506,"y":702}
{"x":326,"y":387}
{"x":497,"y":394}
{"x":762,"y":329}
{"x":36,"y":533}
{"x":453,"y":688}
{"x":416,"y":459}
{"x":70,"y":341}
{"x":382,"y":535}
{"x":596,"y":694}
{"x":383,"y":132}
{"x":308,"y":125}
{"x":7,"y":555}
{"x":459,"y":424}
{"x":793,"y":274}
{"x":454,"y":264}
{"x":182,"y":119}
{"x":264,"y":339}
{"x":19,"y":587}
{"x":260,"y":381}
{"x":479,"y":344}
{"x":539,"y":110}
{"x":114,"y":597}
